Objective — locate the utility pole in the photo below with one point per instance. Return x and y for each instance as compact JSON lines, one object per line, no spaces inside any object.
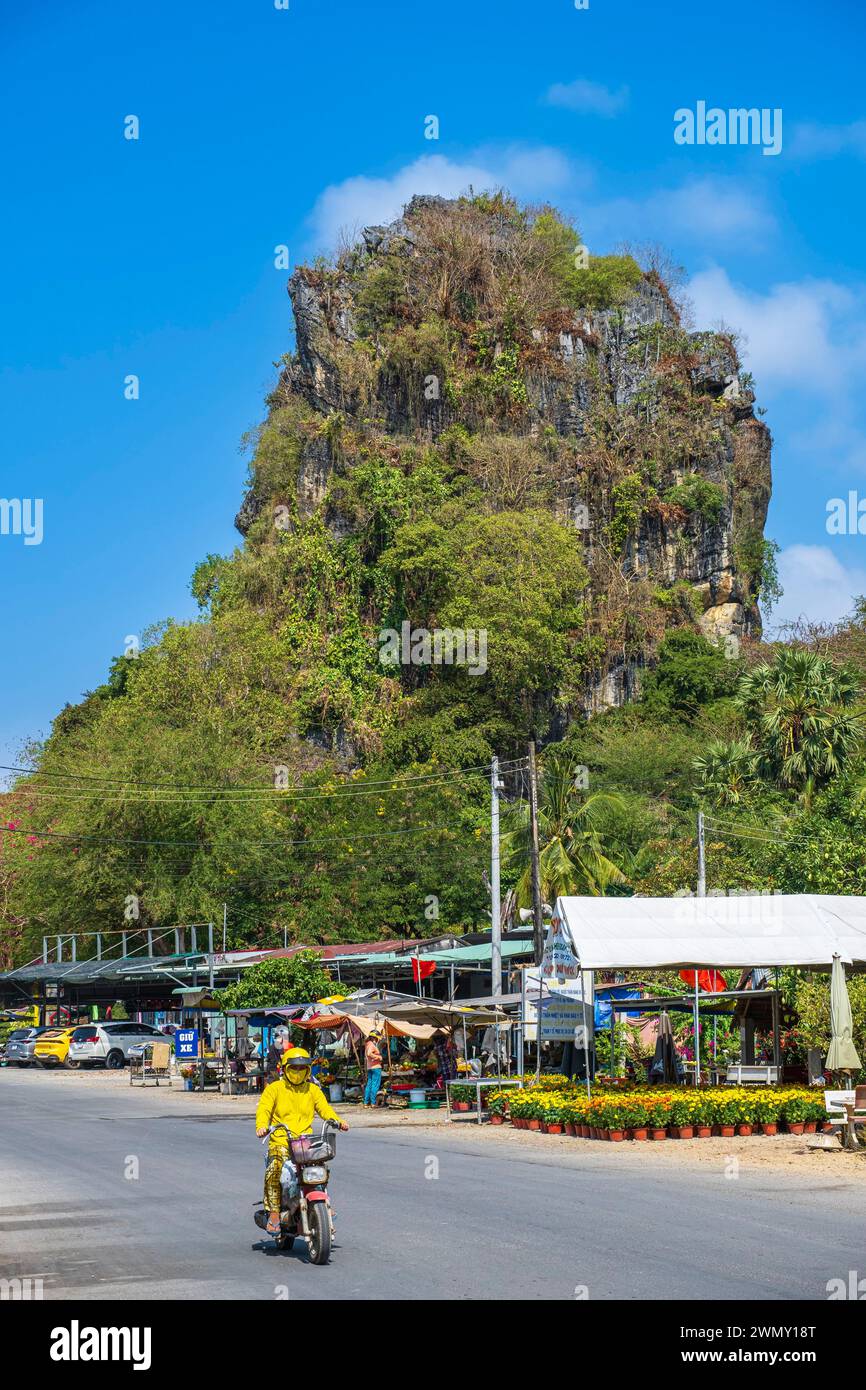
{"x":702,"y":858}
{"x":225,"y":917}
{"x":537,"y":924}
{"x":495,"y":904}
{"x":702,"y":893}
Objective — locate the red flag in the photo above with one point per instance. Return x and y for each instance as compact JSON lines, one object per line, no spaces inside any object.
{"x":710,"y":981}
{"x":422,"y":969}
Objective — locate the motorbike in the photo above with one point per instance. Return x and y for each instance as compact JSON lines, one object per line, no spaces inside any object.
{"x":305,"y":1209}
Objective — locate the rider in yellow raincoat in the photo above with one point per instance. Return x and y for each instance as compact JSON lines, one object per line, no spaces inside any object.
{"x":292,"y":1101}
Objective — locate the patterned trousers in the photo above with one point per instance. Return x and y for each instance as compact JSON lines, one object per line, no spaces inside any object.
{"x":273,"y":1189}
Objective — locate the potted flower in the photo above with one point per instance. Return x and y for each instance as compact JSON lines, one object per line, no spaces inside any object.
{"x":725,"y":1110}
{"x":766,"y":1111}
{"x":682,"y":1118}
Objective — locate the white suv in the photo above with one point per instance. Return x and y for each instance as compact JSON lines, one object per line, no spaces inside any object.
{"x":109,"y":1043}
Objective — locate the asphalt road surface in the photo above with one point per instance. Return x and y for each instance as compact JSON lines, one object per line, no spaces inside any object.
{"x":501,"y":1219}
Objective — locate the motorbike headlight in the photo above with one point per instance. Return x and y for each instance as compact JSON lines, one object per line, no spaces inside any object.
{"x":316,"y":1172}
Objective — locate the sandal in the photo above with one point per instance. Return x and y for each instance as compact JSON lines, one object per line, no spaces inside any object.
{"x":273,"y":1226}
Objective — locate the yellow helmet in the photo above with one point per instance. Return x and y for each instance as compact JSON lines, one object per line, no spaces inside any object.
{"x":296,"y":1064}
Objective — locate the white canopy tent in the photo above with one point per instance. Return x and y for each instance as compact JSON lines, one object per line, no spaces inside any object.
{"x":736,"y":930}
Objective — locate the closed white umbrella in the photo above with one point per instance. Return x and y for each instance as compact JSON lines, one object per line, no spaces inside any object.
{"x":842,"y":1055}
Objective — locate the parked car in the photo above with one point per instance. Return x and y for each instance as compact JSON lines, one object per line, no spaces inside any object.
{"x":52,"y":1046}
{"x":108,"y":1044}
{"x":20,"y":1044}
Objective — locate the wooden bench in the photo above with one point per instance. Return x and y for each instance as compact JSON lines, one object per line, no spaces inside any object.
{"x":753,"y":1075}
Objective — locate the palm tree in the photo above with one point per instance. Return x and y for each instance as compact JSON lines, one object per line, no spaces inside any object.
{"x":570,"y":830}
{"x":727,"y":770}
{"x":801,"y":718}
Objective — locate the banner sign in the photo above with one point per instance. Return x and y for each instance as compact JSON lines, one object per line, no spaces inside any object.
{"x":559,"y":958}
{"x":560,"y":1019}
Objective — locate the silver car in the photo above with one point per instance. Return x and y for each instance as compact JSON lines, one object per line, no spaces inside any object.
{"x":108,"y":1044}
{"x":20,"y":1044}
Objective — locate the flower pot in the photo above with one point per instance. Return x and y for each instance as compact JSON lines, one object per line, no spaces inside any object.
{"x":545,"y":1128}
{"x":553,"y":1129}
{"x":658,"y":1134}
{"x":726,"y":1131}
{"x":811,"y":1126}
{"x":496,"y":1119}
{"x":744,"y":1130}
{"x":616,"y":1135}
{"x":533,"y":1124}
{"x":770,"y":1127}
{"x":604,"y":1134}
{"x":583,"y":1130}
{"x":571,"y":1131}
{"x":639,"y":1132}
{"x":704,"y":1131}
{"x":798,"y":1127}
{"x":687,"y":1131}
{"x":826,"y":1127}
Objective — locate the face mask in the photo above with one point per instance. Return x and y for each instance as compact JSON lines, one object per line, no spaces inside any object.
{"x":297,"y":1075}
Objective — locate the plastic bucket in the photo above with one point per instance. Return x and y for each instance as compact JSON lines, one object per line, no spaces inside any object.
{"x":418,"y":1100}
{"x":335,"y":1090}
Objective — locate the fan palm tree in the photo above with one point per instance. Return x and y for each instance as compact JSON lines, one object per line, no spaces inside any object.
{"x":800,"y":711}
{"x":570,"y":836}
{"x":727,"y":770}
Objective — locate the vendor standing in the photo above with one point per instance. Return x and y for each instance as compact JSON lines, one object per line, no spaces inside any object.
{"x":373,"y":1060}
{"x":279,"y":1044}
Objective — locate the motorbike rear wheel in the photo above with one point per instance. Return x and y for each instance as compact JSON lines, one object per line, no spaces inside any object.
{"x":320,"y":1233}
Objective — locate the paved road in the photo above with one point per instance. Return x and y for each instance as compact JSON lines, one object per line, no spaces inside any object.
{"x":501,"y":1220}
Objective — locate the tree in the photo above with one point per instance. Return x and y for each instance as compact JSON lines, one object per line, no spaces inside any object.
{"x":570,"y":830}
{"x":297,"y":979}
{"x":690,"y":672}
{"x":799,"y":711}
{"x":728,"y":771}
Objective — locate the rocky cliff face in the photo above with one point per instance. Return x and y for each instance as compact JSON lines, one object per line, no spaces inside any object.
{"x":643,"y":434}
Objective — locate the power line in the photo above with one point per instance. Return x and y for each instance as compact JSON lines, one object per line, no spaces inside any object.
{"x":368,"y":787}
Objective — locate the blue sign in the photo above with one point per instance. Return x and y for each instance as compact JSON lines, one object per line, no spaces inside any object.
{"x":186,"y":1042}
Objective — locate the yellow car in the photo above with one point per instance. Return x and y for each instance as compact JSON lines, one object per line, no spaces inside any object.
{"x":53,"y":1046}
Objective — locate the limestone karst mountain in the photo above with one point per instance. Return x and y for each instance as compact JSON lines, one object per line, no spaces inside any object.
{"x":481,"y":335}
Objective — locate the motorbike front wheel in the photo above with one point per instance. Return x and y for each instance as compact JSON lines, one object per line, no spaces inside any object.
{"x":320,"y":1233}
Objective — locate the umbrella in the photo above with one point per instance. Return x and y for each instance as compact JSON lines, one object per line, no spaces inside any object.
{"x":842,"y":1055}
{"x":666,"y":1064}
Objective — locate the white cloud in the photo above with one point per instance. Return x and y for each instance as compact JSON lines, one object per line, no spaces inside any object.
{"x":713,"y":211}
{"x":527,"y":172}
{"x":591,"y":98}
{"x":806,"y":334}
{"x":814,"y":141}
{"x":818,"y":587}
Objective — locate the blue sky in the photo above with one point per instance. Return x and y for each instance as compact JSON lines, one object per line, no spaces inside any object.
{"x":261,"y":126}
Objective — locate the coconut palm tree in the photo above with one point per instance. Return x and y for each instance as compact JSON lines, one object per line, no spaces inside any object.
{"x":570,"y":836}
{"x":801,"y":716}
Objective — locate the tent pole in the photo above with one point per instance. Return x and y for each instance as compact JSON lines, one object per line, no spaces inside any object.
{"x":586,"y":1029}
{"x":521,"y":1055}
{"x":697,"y":1031}
{"x":612,"y":1035}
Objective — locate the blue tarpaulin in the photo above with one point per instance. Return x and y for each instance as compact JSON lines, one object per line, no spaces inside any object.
{"x":603,"y":997}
